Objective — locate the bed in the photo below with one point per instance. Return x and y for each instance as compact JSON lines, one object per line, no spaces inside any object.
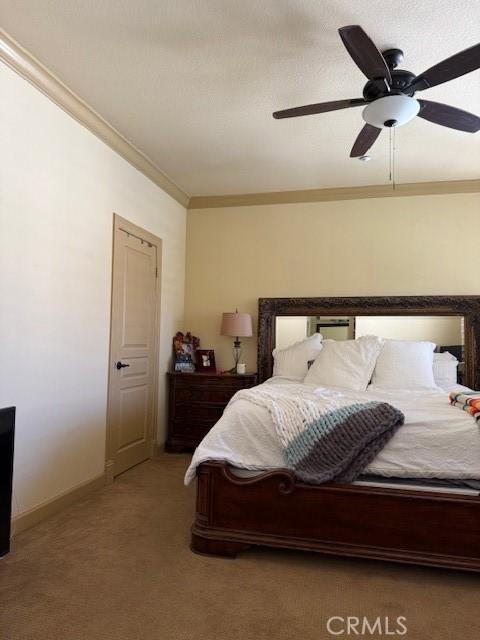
{"x":245,"y":497}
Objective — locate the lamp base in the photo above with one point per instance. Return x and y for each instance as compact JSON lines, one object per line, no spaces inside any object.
{"x":237,"y":350}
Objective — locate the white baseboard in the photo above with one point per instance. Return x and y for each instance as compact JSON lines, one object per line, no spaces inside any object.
{"x":46,"y":509}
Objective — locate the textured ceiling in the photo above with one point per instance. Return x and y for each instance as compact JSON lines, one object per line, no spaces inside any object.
{"x":193,"y":83}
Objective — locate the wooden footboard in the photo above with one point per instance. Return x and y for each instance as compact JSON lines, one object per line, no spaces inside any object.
{"x":272,"y":509}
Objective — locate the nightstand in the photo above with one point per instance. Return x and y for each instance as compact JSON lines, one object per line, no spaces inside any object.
{"x":196,"y":402}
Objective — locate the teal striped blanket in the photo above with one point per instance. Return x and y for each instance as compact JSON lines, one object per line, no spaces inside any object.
{"x":326,"y":436}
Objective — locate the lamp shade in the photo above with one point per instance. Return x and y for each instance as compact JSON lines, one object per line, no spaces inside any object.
{"x":236,"y":324}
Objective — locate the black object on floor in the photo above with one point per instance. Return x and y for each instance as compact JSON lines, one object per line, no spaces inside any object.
{"x":7,"y":430}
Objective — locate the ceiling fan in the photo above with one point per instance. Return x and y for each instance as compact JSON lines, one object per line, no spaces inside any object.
{"x":388,"y":96}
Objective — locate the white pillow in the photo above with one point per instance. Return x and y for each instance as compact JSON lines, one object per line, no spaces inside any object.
{"x":292,"y":362}
{"x":445,"y":369}
{"x":405,"y":364}
{"x":345,"y":363}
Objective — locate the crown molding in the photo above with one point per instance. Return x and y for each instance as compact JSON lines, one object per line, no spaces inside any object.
{"x":27,"y":66}
{"x":340,"y":193}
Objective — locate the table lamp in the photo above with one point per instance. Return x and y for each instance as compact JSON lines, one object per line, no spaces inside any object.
{"x":236,"y":325}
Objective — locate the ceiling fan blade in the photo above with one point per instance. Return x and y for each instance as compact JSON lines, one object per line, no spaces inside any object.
{"x":453,"y":67}
{"x":449,"y":116}
{"x":364,"y":141}
{"x":321,"y":107}
{"x":364,"y":53}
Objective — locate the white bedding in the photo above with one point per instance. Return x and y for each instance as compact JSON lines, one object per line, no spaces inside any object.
{"x":436,"y":441}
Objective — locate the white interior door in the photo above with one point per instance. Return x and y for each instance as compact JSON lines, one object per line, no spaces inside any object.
{"x":133,"y":349}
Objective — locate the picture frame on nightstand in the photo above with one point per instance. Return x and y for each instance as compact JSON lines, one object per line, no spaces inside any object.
{"x":205,"y":360}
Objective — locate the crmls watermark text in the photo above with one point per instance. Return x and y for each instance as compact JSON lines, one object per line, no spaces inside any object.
{"x":354,"y":626}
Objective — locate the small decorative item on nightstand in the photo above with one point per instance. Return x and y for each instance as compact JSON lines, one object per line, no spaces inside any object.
{"x":196,"y":402}
{"x":205,"y":360}
{"x":184,"y":348}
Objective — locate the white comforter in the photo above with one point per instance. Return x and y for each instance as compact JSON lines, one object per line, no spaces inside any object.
{"x":436,"y":441}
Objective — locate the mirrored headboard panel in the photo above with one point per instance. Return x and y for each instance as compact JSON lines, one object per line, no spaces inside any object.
{"x":442,"y":330}
{"x":452,"y":323}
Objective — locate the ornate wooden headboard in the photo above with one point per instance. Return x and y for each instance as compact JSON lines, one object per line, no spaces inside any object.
{"x":466,"y":306}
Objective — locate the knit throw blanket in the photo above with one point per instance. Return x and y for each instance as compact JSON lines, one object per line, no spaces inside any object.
{"x":324,"y":435}
{"x":469,"y":401}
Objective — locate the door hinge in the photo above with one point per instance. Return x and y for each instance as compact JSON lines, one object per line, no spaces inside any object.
{"x":156,"y":272}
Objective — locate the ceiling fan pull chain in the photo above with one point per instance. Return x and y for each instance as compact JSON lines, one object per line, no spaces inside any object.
{"x":393,"y":159}
{"x":390,"y":155}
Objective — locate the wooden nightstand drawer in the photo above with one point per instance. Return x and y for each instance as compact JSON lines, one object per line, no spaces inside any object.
{"x":190,"y":411}
{"x":205,"y":393}
{"x":196,"y":403}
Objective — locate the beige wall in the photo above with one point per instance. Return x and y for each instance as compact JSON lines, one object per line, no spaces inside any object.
{"x":395,"y":246}
{"x":59,"y":187}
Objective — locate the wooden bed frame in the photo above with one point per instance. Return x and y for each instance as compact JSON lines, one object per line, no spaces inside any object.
{"x":272,"y":509}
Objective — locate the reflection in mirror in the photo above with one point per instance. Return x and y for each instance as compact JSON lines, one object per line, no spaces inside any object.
{"x":442,"y":330}
{"x":447,"y":332}
{"x":290,"y":329}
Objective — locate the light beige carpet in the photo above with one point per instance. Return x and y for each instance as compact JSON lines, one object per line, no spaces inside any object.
{"x":117,"y":566}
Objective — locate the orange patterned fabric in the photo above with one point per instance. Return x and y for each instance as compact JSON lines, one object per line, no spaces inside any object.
{"x":468,"y":401}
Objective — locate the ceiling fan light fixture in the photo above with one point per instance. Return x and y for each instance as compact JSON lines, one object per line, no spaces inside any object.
{"x":391,"y":111}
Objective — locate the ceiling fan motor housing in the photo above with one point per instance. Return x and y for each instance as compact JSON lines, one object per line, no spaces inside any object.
{"x":378,"y":88}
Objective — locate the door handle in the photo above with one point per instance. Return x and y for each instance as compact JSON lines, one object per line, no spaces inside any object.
{"x":121,"y":365}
